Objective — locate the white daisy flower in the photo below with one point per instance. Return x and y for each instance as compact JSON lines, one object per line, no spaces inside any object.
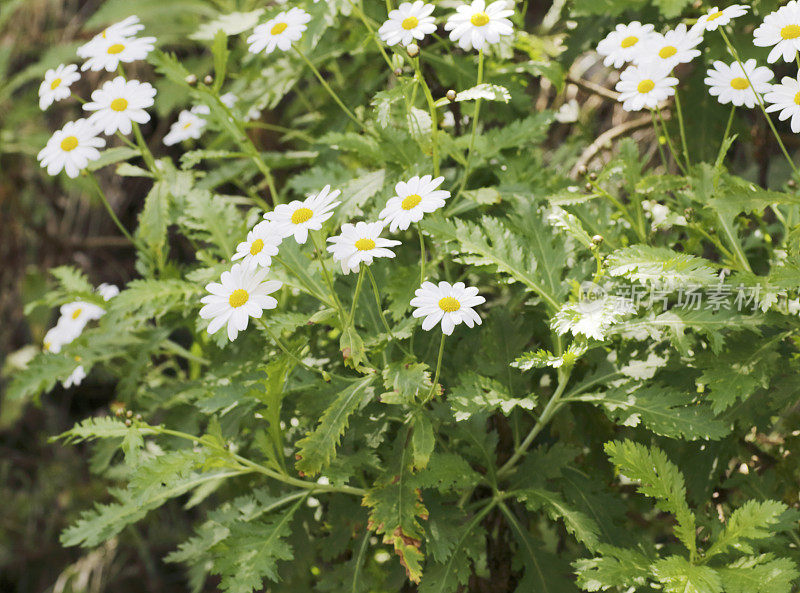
{"x":56,"y":83}
{"x":718,"y":18}
{"x":279,"y":32}
{"x":125,"y":28}
{"x":75,"y":379}
{"x":58,"y":337}
{"x":360,"y":242}
{"x":475,"y":25}
{"x":674,"y":47}
{"x":785,"y":98}
{"x":414,"y":198}
{"x":645,"y":85}
{"x":297,"y":218}
{"x":731,"y":84}
{"x":118,"y":103}
{"x":259,"y":247}
{"x":78,"y":313}
{"x":624,"y":43}
{"x":408,"y":22}
{"x":107,"y":291}
{"x":449,"y":303}
{"x":71,"y":148}
{"x":780,"y":29}
{"x":108,"y":52}
{"x":189,"y":125}
{"x":241,"y":293}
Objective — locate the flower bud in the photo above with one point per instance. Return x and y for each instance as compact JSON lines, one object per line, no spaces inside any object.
{"x":582,"y":170}
{"x":191,"y":79}
{"x":451,"y":95}
{"x":208,"y":79}
{"x":413,"y":50}
{"x":398,"y":71}
{"x":597,"y":239}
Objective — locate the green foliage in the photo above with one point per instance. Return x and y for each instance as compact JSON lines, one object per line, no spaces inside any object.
{"x":333,"y":446}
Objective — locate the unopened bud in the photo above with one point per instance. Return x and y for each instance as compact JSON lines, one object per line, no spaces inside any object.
{"x":592,"y":176}
{"x":597,"y":239}
{"x":191,"y":79}
{"x":588,"y":187}
{"x":208,"y":79}
{"x":451,"y":95}
{"x":582,"y":170}
{"x":791,"y":183}
{"x":398,"y":71}
{"x":413,"y":50}
{"x":128,"y":422}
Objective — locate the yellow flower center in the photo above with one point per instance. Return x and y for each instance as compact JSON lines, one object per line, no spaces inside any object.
{"x":55,"y":84}
{"x":76,"y":313}
{"x":256,"y":247}
{"x":410,"y":202}
{"x":667,"y":52}
{"x":278,"y":28}
{"x":365,"y":244}
{"x":116,"y":48}
{"x":739,"y":83}
{"x":238,"y":298}
{"x":790,"y":32}
{"x":69,"y":143}
{"x":119,"y":104}
{"x":411,"y":22}
{"x":646,"y":86}
{"x":714,"y":16}
{"x":797,"y":99}
{"x":449,"y":304}
{"x":47,"y":346}
{"x":301,"y":215}
{"x":187,"y":125}
{"x":479,"y":19}
{"x":629,"y":42}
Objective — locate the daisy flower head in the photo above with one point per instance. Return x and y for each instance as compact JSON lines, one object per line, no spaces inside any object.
{"x":475,"y":25}
{"x":624,"y":43}
{"x":360,"y":242}
{"x":280,"y":31}
{"x":732,"y":84}
{"x":107,"y":291}
{"x":57,"y":337}
{"x":125,"y":28}
{"x":76,"y":378}
{"x":71,"y":148}
{"x":678,"y":46}
{"x":110,"y":51}
{"x":75,"y":315}
{"x":715,"y":17}
{"x":785,"y":98}
{"x":781,"y":31}
{"x":259,"y":247}
{"x":297,"y":218}
{"x":242,"y":292}
{"x":188,"y":126}
{"x":414,"y":198}
{"x":447,"y":303}
{"x":645,"y":85}
{"x":118,"y":103}
{"x":408,"y":22}
{"x":56,"y":83}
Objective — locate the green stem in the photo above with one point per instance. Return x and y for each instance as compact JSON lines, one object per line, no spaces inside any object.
{"x":256,"y":467}
{"x":380,"y":310}
{"x":735,"y":55}
{"x":422,"y":255}
{"x":547,"y":414}
{"x":111,"y":213}
{"x":438,"y":368}
{"x":331,"y":92}
{"x":434,"y":117}
{"x":372,"y":34}
{"x":721,"y":154}
{"x":733,"y":241}
{"x":325,"y":375}
{"x":475,"y":118}
{"x":328,"y":278}
{"x":358,"y":291}
{"x":146,"y":154}
{"x":669,"y":142}
{"x":681,"y":128}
